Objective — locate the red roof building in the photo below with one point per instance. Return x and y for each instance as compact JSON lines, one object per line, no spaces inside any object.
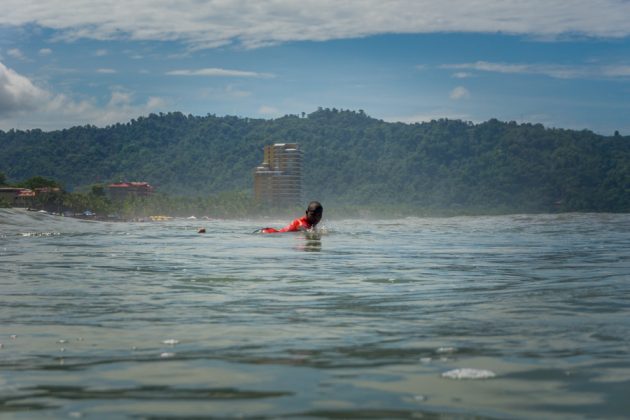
{"x":122,"y":190}
{"x":18,"y":197}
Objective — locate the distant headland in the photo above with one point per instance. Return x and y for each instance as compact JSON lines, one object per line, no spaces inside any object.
{"x":350,"y":161}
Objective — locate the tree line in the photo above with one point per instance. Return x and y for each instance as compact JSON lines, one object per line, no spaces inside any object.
{"x":96,"y":203}
{"x":351,"y":161}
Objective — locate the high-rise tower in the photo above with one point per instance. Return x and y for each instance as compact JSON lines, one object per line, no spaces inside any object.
{"x":278,"y":179}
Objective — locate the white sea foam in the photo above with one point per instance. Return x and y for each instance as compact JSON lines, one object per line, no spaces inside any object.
{"x":35,"y":234}
{"x":468,"y":373}
{"x":171,"y":341}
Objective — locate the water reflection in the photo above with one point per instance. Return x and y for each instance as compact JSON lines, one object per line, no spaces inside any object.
{"x":310,"y":242}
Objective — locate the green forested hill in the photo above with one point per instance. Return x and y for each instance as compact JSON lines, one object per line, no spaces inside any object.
{"x":349,"y":159}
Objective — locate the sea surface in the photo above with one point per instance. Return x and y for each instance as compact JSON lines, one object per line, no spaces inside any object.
{"x":521,"y":316}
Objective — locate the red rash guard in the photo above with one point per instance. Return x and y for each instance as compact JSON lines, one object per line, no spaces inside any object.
{"x":294,"y":226}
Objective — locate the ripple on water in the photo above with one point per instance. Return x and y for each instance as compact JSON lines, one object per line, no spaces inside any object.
{"x":384,"y":314}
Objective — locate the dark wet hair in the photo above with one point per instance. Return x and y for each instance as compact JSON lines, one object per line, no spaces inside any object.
{"x":315,"y":206}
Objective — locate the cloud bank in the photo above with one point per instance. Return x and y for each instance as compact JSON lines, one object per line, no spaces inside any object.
{"x":215,"y":23}
{"x":20,"y":98}
{"x":218,"y":72}
{"x":550,"y":70}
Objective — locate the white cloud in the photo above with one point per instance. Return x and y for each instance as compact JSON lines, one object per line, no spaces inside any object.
{"x":18,"y":93}
{"x":16,"y":53}
{"x":45,"y":51}
{"x":23,"y":104}
{"x":550,"y":70}
{"x":106,"y":71}
{"x":268,"y":111}
{"x":207,"y":24}
{"x":101,"y":53}
{"x":155,"y":103}
{"x":119,"y":99}
{"x":217,"y":72}
{"x":616,"y":71}
{"x":461,"y":75}
{"x":459,"y":92}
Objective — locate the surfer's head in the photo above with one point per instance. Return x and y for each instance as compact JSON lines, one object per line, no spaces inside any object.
{"x":314,"y":212}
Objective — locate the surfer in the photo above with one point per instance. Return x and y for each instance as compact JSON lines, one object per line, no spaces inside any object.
{"x":314,"y":213}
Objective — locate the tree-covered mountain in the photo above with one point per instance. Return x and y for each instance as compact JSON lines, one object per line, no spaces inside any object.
{"x":349,"y":159}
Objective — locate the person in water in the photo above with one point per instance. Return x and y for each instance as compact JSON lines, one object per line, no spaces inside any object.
{"x":313,"y":216}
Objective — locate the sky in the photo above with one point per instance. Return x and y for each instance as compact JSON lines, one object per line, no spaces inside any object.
{"x":561,"y":63}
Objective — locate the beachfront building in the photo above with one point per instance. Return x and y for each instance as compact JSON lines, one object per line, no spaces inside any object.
{"x":17,"y":197}
{"x":278,"y":179}
{"x":122,"y":190}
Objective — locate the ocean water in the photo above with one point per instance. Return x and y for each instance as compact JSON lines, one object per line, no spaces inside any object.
{"x":522,"y":316}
